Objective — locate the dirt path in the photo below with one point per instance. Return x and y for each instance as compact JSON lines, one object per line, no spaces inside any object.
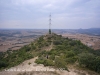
{"x":29,"y":67}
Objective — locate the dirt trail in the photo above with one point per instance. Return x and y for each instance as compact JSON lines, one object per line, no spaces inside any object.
{"x":48,"y":48}
{"x":29,"y":67}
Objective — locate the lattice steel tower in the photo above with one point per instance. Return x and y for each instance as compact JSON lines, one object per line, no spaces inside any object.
{"x":50,"y":23}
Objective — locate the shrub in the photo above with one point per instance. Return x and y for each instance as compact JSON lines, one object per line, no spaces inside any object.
{"x":71,"y":60}
{"x":3,"y":64}
{"x":86,"y":59}
{"x":57,"y":42}
{"x":60,"y":63}
{"x":29,"y":63}
{"x":39,"y":61}
{"x":48,"y":62}
{"x":52,"y":57}
{"x":69,"y":54}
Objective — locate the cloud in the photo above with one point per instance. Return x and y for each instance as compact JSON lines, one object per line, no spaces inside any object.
{"x":35,"y":13}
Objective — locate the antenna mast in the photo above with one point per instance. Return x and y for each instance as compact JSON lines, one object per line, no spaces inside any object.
{"x":50,"y":23}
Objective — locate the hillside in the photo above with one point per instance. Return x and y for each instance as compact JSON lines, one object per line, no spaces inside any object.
{"x":55,"y":51}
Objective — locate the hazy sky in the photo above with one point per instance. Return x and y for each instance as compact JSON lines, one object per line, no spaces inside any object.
{"x":66,"y":14}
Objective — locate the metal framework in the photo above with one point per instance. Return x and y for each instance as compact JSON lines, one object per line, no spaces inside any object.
{"x":50,"y":23}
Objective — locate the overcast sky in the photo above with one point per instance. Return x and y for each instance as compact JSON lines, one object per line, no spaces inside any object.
{"x":34,"y":14}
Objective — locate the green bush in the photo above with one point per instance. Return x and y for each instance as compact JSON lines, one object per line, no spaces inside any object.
{"x":57,"y":42}
{"x":71,"y":60}
{"x":48,"y":62}
{"x":60,"y":63}
{"x":86,"y":59}
{"x":90,"y":61}
{"x":29,"y":63}
{"x":3,"y":64}
{"x":39,"y":61}
{"x":69,"y":54}
{"x":52,"y":57}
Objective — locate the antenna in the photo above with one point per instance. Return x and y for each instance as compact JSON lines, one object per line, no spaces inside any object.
{"x":50,"y":23}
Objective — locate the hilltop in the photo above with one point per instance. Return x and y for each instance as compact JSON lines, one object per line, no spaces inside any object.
{"x":54,"y":51}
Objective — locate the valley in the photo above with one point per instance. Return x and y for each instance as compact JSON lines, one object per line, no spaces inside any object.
{"x":15,"y":39}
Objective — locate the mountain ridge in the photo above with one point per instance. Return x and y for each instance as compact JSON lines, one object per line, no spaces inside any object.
{"x":63,"y":51}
